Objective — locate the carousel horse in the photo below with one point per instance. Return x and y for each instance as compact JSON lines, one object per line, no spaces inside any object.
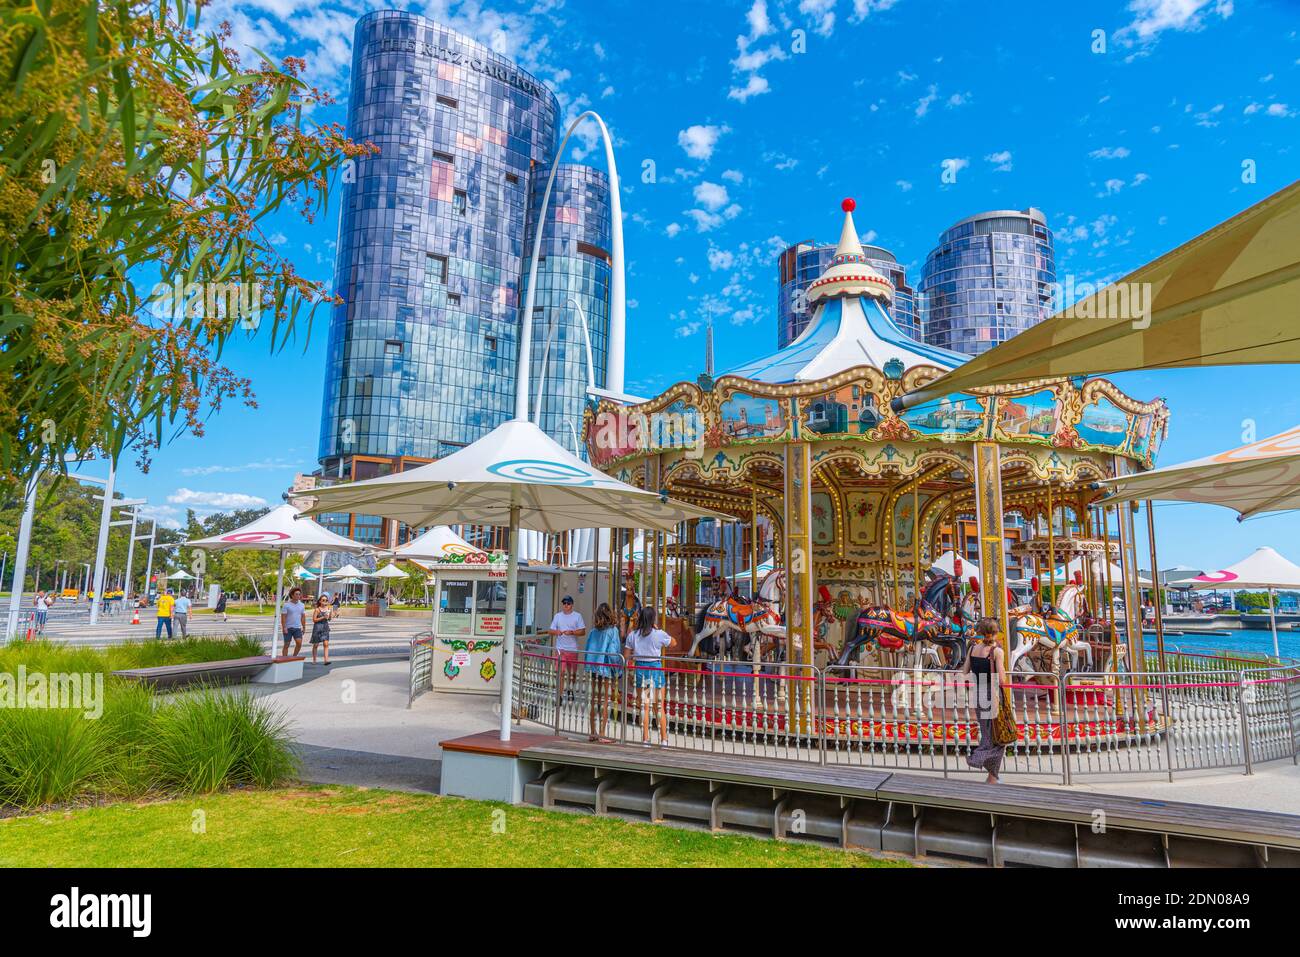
{"x":628,"y":608}
{"x":727,"y":626}
{"x":1049,"y":628}
{"x":921,"y":628}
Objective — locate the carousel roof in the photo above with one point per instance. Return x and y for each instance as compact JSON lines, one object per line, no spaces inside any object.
{"x":849,"y":327}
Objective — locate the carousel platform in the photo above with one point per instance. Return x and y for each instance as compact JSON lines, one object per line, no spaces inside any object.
{"x":911,"y":814}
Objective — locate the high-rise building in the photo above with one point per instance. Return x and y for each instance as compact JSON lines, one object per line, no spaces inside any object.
{"x":989,"y":278}
{"x":803,"y":262}
{"x":432,"y":255}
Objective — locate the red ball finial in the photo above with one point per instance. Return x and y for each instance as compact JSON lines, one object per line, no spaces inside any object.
{"x":848,"y":205}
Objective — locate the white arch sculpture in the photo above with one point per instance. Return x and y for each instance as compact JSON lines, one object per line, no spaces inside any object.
{"x":617,"y":285}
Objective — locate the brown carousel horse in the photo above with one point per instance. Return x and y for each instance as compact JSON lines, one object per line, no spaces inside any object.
{"x":727,"y":627}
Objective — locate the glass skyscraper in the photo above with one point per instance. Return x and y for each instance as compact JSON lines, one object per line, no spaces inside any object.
{"x":803,"y":262}
{"x":989,"y":278}
{"x":431,"y":254}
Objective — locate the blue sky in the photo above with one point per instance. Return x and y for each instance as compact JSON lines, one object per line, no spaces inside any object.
{"x":1127,"y":123}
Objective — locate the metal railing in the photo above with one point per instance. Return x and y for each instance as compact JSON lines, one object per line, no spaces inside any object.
{"x":1208,"y":716}
{"x":421,"y":667}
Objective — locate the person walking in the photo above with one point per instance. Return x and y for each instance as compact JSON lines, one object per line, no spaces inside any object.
{"x":338,"y":600}
{"x":292,"y":615}
{"x":565,"y":627}
{"x":181,"y":614}
{"x":993,"y":704}
{"x":165,"y":604}
{"x":221,"y":607}
{"x":320,"y":628}
{"x":602,"y":660}
{"x":646,"y":644}
{"x":42,"y":606}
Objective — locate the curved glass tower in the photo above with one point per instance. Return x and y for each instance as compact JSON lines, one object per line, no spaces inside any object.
{"x":989,"y":278}
{"x":431,"y":255}
{"x":803,"y":262}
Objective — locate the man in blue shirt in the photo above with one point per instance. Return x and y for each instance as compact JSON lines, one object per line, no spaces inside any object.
{"x":181,"y":615}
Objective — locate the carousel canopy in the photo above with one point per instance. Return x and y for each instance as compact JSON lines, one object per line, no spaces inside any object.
{"x":1261,"y":477}
{"x":850,"y":326}
{"x":1226,"y":297}
{"x":1263,"y":568}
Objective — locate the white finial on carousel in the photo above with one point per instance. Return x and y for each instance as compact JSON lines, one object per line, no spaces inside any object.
{"x":849,"y":273}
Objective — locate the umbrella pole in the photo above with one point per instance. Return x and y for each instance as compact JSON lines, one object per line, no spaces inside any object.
{"x":512,"y":601}
{"x":1272,"y":620}
{"x":279,"y":589}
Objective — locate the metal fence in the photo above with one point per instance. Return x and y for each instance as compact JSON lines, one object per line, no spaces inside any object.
{"x":1217,"y":712}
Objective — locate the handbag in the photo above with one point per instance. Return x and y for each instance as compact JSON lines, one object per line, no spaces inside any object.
{"x":1004,"y":723}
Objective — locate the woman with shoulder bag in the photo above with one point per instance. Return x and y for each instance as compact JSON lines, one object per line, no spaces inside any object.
{"x":996,"y":722}
{"x":320,"y":628}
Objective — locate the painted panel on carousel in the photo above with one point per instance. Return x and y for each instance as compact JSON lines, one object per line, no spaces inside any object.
{"x":751,"y":417}
{"x":954,"y":416}
{"x":902,"y":530}
{"x":1034,"y":416}
{"x":864,"y":510}
{"x":1143,"y":427}
{"x":680,"y":425}
{"x":849,"y":410}
{"x":823,"y":519}
{"x":1103,"y":424}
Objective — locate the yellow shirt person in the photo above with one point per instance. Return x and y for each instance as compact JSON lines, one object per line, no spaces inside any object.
{"x":165,"y":603}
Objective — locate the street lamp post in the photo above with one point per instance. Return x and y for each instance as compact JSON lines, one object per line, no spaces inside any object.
{"x":20,"y":560}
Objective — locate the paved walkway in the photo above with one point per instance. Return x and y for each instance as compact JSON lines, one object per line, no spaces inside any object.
{"x":353,"y":727}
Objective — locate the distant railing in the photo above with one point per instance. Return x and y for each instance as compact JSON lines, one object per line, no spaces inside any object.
{"x":1217,"y":712}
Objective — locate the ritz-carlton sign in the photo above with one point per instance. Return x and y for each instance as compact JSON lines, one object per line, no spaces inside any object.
{"x":504,"y":74}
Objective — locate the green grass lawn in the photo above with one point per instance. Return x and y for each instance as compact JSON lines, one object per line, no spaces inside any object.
{"x":338,"y":826}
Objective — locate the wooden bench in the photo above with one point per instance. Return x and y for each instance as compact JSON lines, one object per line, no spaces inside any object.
{"x":227,"y":671}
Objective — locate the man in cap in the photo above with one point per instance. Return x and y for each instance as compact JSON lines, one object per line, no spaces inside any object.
{"x":566,"y":626}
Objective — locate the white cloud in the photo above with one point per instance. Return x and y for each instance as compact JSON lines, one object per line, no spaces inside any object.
{"x":1279,"y":109}
{"x":822,"y":13}
{"x":864,"y":8}
{"x":700,"y":140}
{"x":743,"y":317}
{"x":193,"y":499}
{"x":903,"y":184}
{"x":755,"y":86}
{"x":687,"y":329}
{"x":923,"y":104}
{"x":1106,"y":152}
{"x":672,"y":229}
{"x":733,"y":176}
{"x":1153,"y":17}
{"x":721,"y":258}
{"x":1112,"y":186}
{"x":246,"y":467}
{"x":955,"y":164}
{"x":712,"y":196}
{"x":1001,"y":161}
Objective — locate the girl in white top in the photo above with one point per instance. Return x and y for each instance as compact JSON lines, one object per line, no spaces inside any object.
{"x":646,"y":644}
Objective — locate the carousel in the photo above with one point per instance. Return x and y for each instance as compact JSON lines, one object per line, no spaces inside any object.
{"x":860,"y":504}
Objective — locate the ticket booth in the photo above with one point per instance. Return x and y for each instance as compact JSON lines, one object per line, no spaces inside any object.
{"x":469,"y":621}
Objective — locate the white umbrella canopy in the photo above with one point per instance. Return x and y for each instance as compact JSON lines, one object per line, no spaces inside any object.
{"x":1065,"y":573}
{"x":281,"y":530}
{"x":348,"y":571}
{"x":514,"y":464}
{"x":1260,"y":477}
{"x":438,"y":542}
{"x":519,"y":477}
{"x":180,"y":575}
{"x":946,"y":563}
{"x":390,"y":571}
{"x":1262,"y":568}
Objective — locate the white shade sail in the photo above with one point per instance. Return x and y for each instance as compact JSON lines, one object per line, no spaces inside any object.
{"x":1260,"y":477}
{"x":514,"y":463}
{"x":280,"y":528}
{"x":1263,"y":568}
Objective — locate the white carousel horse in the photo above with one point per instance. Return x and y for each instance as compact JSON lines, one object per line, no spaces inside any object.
{"x":1056,"y":630}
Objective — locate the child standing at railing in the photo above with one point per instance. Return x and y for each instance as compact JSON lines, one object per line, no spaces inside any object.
{"x":647,"y":644}
{"x":603,"y":663}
